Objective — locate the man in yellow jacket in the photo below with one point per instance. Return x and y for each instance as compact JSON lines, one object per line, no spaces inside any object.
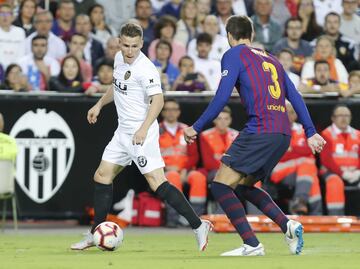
{"x":8,"y":148}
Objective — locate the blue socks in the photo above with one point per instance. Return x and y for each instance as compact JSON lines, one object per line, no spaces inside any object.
{"x":262,"y":200}
{"x":234,"y":209}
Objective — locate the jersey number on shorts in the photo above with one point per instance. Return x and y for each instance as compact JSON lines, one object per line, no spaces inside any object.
{"x":275,"y":90}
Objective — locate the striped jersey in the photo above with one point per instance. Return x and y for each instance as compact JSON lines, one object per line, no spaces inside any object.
{"x":263,"y":86}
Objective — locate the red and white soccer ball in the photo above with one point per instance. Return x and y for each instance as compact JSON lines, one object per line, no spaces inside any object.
{"x":108,"y":236}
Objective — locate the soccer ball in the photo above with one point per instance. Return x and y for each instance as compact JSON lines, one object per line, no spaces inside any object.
{"x":108,"y":236}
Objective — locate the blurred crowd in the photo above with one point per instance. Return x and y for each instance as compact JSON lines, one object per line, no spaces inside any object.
{"x":69,"y":45}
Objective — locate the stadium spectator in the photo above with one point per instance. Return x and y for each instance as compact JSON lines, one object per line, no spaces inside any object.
{"x":117,"y":12}
{"x":43,"y":21}
{"x":187,"y":26}
{"x":11,"y":37}
{"x":322,"y":81}
{"x":168,"y":71}
{"x":210,"y":68}
{"x":93,"y":48}
{"x":204,"y":9}
{"x":171,"y":8}
{"x":112,"y":47}
{"x":143,"y":13}
{"x":219,"y":43}
{"x":188,"y":79}
{"x":350,"y":21}
{"x":324,"y":7}
{"x":101,"y":31}
{"x":267,"y":31}
{"x":14,"y":79}
{"x":297,"y":172}
{"x":223,"y":11}
{"x":76,"y":48}
{"x":69,"y":79}
{"x":280,"y":12}
{"x":37,"y":66}
{"x":325,"y":50}
{"x":286,"y":58}
{"x":83,"y":6}
{"x":25,"y":19}
{"x":103,"y":78}
{"x":346,"y":49}
{"x":165,"y":28}
{"x":340,"y":161}
{"x":180,"y":160}
{"x":292,"y":40}
{"x":63,"y":26}
{"x":310,"y":28}
{"x":215,"y":141}
{"x":354,"y":84}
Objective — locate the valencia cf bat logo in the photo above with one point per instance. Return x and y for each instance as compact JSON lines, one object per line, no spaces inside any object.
{"x":127,"y":75}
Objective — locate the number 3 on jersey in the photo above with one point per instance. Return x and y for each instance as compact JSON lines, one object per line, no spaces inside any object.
{"x":275,"y":90}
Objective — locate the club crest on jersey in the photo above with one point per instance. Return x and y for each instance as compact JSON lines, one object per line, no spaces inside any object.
{"x":127,"y":75}
{"x":46,"y":152}
{"x":142,"y":161}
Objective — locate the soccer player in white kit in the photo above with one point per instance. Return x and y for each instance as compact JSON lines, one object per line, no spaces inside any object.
{"x":138,"y":98}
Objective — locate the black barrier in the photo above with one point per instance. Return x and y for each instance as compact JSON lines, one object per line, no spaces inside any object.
{"x":57,"y":170}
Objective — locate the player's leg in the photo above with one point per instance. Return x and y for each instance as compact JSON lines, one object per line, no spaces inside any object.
{"x":222,"y":189}
{"x":172,"y":216}
{"x":114,"y":158}
{"x":175,"y":198}
{"x":103,"y":193}
{"x":293,"y":230}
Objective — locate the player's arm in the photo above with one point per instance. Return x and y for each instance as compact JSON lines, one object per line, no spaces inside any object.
{"x":94,"y":112}
{"x":157,"y":103}
{"x":230,"y":69}
{"x":151,"y":83}
{"x":315,"y":141}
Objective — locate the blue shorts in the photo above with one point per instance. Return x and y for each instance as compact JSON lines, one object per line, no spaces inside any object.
{"x":256,"y":154}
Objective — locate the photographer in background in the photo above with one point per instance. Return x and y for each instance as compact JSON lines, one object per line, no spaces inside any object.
{"x":189,"y":80}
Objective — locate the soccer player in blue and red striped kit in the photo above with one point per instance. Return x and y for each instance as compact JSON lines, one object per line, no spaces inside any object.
{"x":263,"y":86}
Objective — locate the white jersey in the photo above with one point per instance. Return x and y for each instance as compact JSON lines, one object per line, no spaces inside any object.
{"x":133,"y":85}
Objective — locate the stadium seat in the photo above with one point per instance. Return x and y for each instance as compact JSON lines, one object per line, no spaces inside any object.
{"x":7,"y":189}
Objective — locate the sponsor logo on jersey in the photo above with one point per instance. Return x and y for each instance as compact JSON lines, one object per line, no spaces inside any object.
{"x":279,"y":108}
{"x":127,"y":75}
{"x":142,"y":161}
{"x":46,"y":152}
{"x":120,"y":87}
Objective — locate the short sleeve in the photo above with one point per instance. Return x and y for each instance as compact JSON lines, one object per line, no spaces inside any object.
{"x":150,"y":80}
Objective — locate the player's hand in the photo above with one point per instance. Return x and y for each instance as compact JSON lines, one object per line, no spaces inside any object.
{"x":190,"y":135}
{"x":139,"y":137}
{"x":93,"y":113}
{"x":316,"y":143}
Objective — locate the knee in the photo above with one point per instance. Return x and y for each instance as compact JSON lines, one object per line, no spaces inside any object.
{"x":101,"y":177}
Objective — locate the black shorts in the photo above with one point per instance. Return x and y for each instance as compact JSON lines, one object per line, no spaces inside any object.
{"x":256,"y":154}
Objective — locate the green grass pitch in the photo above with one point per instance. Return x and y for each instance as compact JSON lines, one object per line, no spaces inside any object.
{"x":176,"y":250}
